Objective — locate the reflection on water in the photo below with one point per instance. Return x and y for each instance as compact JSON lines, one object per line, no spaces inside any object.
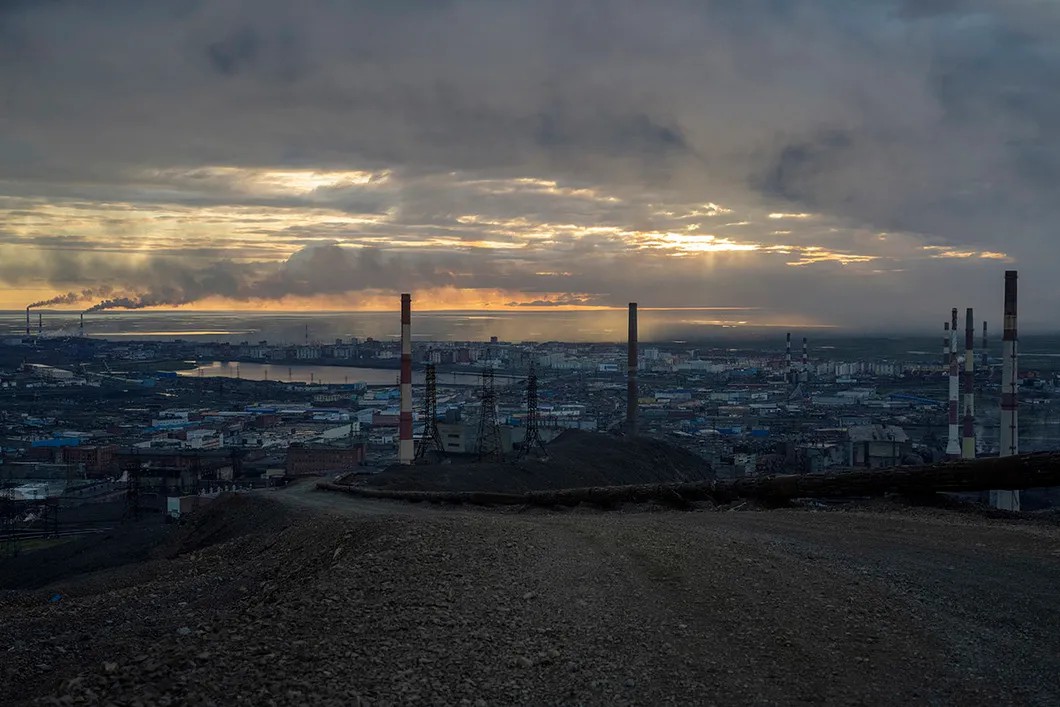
{"x":659,"y":325}
{"x":177,"y":334}
{"x":329,"y":375}
{"x":290,"y":327}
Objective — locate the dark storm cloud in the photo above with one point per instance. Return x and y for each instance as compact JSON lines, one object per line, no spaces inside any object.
{"x":235,"y":52}
{"x":798,"y":164}
{"x":937,"y":119}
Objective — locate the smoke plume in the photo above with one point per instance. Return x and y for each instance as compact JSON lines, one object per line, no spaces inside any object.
{"x":74,"y":297}
{"x":319,"y":269}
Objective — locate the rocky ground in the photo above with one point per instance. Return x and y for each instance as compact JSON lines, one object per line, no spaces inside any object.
{"x":302,"y":597}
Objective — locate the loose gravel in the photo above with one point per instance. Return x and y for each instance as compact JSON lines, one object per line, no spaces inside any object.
{"x":313,"y":598}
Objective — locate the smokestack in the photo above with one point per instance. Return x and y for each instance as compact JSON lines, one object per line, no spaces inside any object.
{"x":945,"y":347}
{"x":788,"y":372}
{"x":953,"y":441}
{"x":40,"y":323}
{"x":631,"y":371}
{"x":81,"y":326}
{"x":28,"y":332}
{"x":968,"y":422}
{"x":1009,"y":500}
{"x":805,"y":359}
{"x":406,"y":450}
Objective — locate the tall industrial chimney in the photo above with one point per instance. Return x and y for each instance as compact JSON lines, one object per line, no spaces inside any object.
{"x":631,"y":371}
{"x":81,"y":326}
{"x":805,"y":360}
{"x":1010,"y":443}
{"x":406,"y":450}
{"x":968,"y":422}
{"x":28,"y":332}
{"x":953,"y":442}
{"x":40,"y":323}
{"x":789,"y":371}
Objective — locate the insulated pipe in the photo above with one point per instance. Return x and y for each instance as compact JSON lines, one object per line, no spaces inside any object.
{"x":968,"y":422}
{"x":631,"y":371}
{"x":1009,"y":500}
{"x":406,"y":449}
{"x":953,"y":441}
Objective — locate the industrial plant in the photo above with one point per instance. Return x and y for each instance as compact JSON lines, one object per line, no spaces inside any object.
{"x":145,"y":438}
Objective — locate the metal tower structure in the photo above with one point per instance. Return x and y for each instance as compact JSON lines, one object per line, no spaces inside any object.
{"x":431,"y":439}
{"x":489,"y":431}
{"x":533,"y":434}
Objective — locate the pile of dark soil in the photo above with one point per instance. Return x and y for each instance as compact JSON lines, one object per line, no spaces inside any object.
{"x":227,"y":517}
{"x":576,"y":459}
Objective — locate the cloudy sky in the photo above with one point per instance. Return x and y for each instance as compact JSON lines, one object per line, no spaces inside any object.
{"x":860,"y":164}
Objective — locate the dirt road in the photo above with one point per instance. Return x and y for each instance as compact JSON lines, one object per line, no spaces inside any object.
{"x":326,"y":599}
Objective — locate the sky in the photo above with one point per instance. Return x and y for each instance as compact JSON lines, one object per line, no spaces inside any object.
{"x":862,"y":165}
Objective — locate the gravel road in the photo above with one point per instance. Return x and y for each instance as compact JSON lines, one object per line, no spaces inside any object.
{"x":303,"y":597}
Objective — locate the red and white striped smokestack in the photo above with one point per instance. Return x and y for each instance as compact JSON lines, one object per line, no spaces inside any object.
{"x":1010,"y":439}
{"x":631,"y":371}
{"x":406,"y":449}
{"x":953,"y":441}
{"x":968,"y":383}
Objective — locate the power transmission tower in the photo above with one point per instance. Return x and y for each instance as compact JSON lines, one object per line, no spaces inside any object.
{"x":489,"y":432}
{"x":431,"y":439}
{"x":533,"y":434}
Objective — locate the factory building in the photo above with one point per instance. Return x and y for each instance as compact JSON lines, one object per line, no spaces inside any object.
{"x":312,"y":460}
{"x":877,"y":446}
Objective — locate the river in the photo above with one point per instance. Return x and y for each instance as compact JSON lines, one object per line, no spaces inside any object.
{"x":332,"y":375}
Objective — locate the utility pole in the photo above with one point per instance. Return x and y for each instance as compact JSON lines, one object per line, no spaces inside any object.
{"x":533,"y":435}
{"x":489,"y":433}
{"x":431,"y":439}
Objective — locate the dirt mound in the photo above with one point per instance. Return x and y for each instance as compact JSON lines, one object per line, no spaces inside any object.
{"x":239,"y":550}
{"x":576,"y":459}
{"x":229,"y":516}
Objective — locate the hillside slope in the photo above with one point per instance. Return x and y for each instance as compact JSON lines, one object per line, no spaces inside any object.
{"x":312,"y":598}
